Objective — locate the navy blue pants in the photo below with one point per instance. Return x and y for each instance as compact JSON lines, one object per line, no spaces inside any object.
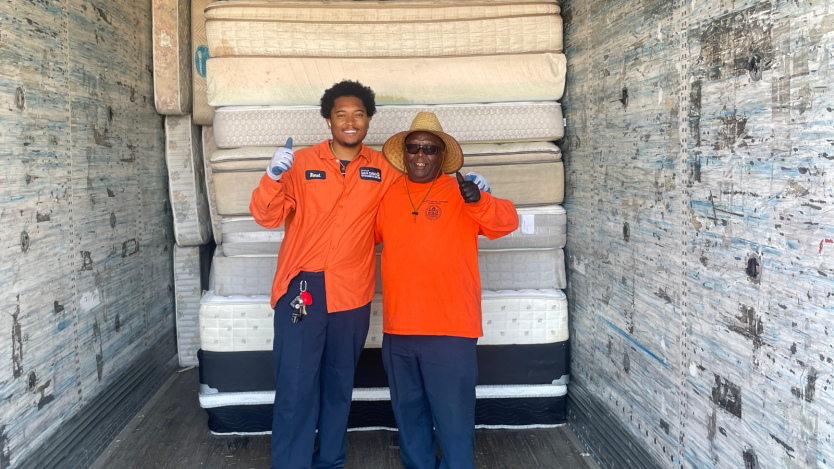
{"x":314,"y":363}
{"x":432,"y":381}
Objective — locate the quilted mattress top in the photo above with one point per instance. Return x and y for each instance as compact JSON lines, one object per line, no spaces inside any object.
{"x":376,"y":29}
{"x":245,"y":323}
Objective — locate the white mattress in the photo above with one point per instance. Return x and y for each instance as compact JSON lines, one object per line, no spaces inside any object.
{"x":172,"y":56}
{"x":187,"y":293}
{"x":243,"y":236}
{"x":208,"y":149}
{"x":245,"y":323}
{"x":242,"y":126}
{"x":538,"y":228}
{"x":186,"y":181}
{"x":236,"y":81}
{"x":250,"y":275}
{"x":210,"y":400}
{"x":203,"y":113}
{"x":513,"y":269}
{"x":373,"y":29}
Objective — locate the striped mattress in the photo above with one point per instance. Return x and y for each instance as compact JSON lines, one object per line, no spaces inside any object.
{"x":381,"y":29}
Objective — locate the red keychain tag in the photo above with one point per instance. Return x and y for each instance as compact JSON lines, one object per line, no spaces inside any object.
{"x":307,"y":298}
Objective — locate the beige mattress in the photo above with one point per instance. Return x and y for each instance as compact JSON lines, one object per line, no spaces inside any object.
{"x":186,"y":181}
{"x":386,"y":29}
{"x":529,"y":174}
{"x":187,"y":293}
{"x":433,"y":80}
{"x":203,"y":113}
{"x":172,"y":57}
{"x":239,"y":126}
{"x":528,"y":178}
{"x":208,"y":149}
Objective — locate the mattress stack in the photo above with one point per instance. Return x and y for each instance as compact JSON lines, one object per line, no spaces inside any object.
{"x":493,"y":72}
{"x":186,"y":171}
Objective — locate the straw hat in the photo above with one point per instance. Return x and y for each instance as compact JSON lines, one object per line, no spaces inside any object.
{"x":425,"y":121}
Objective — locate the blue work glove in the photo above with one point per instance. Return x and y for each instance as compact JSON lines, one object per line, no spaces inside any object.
{"x":479,"y":180}
{"x":281,"y":161}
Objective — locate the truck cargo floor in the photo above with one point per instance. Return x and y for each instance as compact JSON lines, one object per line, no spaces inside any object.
{"x":171,"y":432}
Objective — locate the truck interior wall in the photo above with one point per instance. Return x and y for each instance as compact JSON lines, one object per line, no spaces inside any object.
{"x":85,"y":230}
{"x":699,"y":175}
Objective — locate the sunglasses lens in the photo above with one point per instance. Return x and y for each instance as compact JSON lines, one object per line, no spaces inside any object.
{"x":427,"y":149}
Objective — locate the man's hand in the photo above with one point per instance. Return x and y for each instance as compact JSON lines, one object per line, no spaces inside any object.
{"x":479,"y":180}
{"x":468,"y":189}
{"x":281,"y":161}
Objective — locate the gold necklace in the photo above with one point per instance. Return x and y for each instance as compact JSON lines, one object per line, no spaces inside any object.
{"x":342,"y":166}
{"x":415,"y":209}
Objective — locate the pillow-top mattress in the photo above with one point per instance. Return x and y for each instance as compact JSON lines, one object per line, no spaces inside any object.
{"x":187,"y":295}
{"x":512,"y":269}
{"x":203,"y":113}
{"x":240,"y":126}
{"x":172,"y":56}
{"x":534,"y":178}
{"x":235,"y":81}
{"x":243,"y":236}
{"x":538,"y":228}
{"x":245,"y":323}
{"x":381,"y":29}
{"x":186,"y":181}
{"x":527,"y":179}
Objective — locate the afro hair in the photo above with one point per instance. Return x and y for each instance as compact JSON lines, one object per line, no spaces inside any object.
{"x":347,"y":88}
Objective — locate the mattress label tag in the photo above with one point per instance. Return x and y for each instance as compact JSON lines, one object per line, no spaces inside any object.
{"x":314,"y":174}
{"x":370,"y":174}
{"x":528,"y":224}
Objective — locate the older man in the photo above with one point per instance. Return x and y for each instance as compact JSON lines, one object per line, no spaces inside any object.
{"x":429,"y":223}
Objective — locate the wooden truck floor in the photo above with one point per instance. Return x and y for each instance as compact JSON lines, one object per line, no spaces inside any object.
{"x":171,"y":432}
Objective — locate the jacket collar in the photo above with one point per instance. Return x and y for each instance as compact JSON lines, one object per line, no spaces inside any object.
{"x":326,"y":154}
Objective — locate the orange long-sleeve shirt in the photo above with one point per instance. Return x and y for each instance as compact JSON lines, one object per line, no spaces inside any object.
{"x":430,"y":280}
{"x":329,"y":221}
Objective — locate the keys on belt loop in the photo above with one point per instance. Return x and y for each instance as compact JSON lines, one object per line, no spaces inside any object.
{"x":300,"y":302}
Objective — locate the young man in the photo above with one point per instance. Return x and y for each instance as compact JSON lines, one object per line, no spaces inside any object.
{"x":327,"y":195}
{"x":429,"y":223}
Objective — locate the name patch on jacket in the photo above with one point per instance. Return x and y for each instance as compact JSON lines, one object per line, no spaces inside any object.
{"x":315,"y":174}
{"x":370,"y":174}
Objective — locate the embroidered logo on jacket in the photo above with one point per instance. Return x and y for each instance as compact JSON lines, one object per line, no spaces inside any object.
{"x":370,"y":174}
{"x":314,"y":174}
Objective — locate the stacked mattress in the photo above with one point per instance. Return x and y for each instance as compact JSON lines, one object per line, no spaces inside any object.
{"x":184,"y":156}
{"x":288,"y":53}
{"x":493,"y":72}
{"x":523,"y":355}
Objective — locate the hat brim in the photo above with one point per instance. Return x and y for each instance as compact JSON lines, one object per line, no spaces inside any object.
{"x":394,"y":150}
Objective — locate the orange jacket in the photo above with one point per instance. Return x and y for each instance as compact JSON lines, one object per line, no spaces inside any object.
{"x":329,"y":221}
{"x":430,"y":280}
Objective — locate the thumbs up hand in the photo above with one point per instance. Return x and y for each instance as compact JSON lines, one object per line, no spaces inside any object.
{"x":468,"y":189}
{"x":479,"y":180}
{"x":281,"y":161}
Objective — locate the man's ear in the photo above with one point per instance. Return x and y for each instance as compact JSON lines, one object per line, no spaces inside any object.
{"x":328,"y":122}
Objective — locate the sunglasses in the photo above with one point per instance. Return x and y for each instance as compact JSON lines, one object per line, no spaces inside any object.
{"x":429,"y":150}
